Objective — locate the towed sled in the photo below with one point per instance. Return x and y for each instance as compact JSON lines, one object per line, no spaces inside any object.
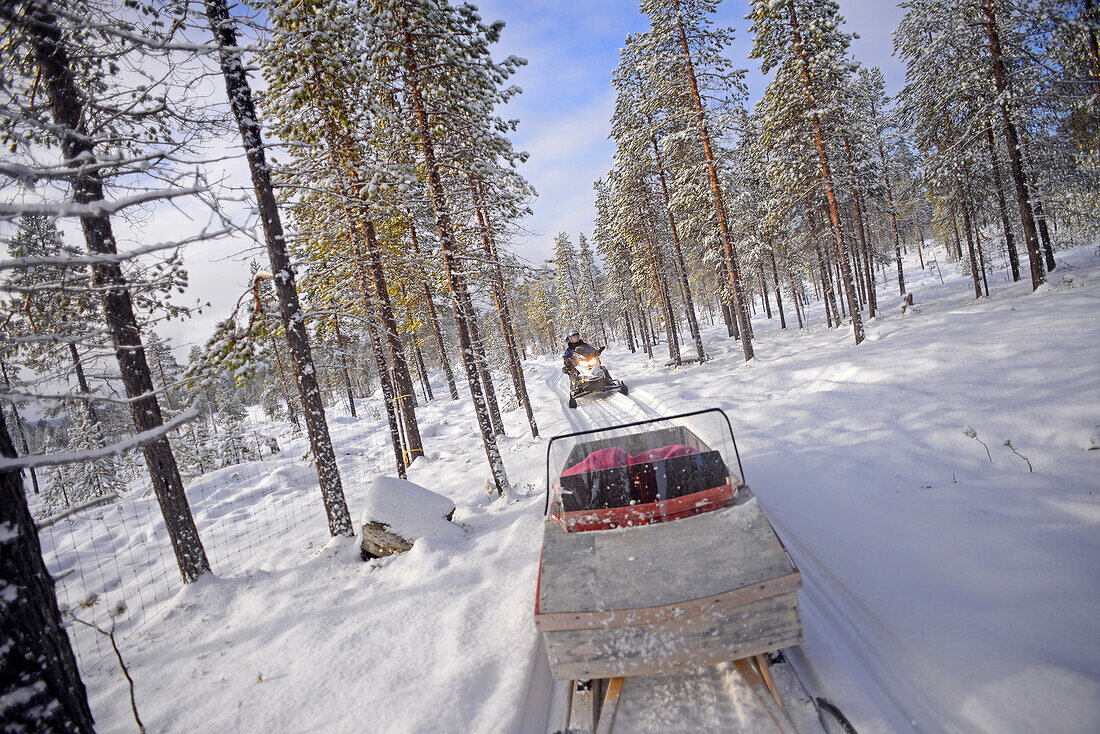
{"x":590,"y":376}
{"x":656,"y":558}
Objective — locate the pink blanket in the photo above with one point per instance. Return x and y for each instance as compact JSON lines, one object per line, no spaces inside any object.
{"x":597,"y":460}
{"x":665,"y":452}
{"x":613,"y":457}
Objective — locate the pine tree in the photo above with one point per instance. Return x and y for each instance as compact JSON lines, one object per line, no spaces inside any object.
{"x":240,"y":97}
{"x":803,"y":42}
{"x":443,"y":107}
{"x":683,"y":48}
{"x":39,"y":40}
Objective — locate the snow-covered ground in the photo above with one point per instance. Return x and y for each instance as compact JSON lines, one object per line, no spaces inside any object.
{"x":944,"y":591}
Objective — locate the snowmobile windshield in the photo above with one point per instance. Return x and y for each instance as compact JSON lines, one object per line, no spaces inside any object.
{"x":645,"y":472}
{"x":583,"y":351}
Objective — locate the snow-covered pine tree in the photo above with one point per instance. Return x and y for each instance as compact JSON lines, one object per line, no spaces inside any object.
{"x":567,"y":283}
{"x":684,"y":58}
{"x":873,"y":103}
{"x":616,"y":258}
{"x":57,"y":59}
{"x":86,"y":480}
{"x":802,"y":41}
{"x":591,"y":288}
{"x":643,"y":119}
{"x":435,"y":58}
{"x":313,"y":87}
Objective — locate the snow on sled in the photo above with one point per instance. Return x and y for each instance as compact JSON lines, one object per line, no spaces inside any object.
{"x":656,"y":557}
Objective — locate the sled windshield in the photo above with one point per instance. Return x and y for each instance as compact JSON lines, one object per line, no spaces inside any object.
{"x":641,"y":473}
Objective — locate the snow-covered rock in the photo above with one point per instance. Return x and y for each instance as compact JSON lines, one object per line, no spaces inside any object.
{"x":396,"y":507}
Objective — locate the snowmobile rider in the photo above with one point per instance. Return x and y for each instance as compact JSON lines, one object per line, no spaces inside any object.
{"x":572,"y":343}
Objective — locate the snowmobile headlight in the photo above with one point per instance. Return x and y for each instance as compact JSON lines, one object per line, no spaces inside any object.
{"x":590,"y":362}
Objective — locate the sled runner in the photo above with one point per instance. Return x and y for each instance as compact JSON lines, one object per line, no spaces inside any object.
{"x":656,"y":557}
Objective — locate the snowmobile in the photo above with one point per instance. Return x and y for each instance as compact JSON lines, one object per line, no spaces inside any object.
{"x":589,"y":375}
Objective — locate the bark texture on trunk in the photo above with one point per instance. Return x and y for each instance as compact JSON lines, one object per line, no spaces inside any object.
{"x":1002,"y":206}
{"x":41,"y":689}
{"x":827,"y":178}
{"x":66,"y":105}
{"x":384,"y":376}
{"x":1015,"y":159}
{"x":286,"y":291}
{"x":716,"y":190}
{"x":406,"y":399}
{"x":460,"y":297}
{"x":681,"y":267}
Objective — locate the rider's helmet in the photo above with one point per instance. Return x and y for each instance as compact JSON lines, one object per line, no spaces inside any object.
{"x":573,"y":338}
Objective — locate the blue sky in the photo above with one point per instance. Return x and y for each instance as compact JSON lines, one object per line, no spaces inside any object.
{"x":572,"y":49}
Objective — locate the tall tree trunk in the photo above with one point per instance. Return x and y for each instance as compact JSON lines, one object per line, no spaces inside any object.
{"x":437,"y":329}
{"x":794,"y":298}
{"x":920,"y":242}
{"x":500,"y":299}
{"x":662,"y":294}
{"x":764,"y":288}
{"x":82,"y":383}
{"x":826,"y":282}
{"x":291,"y":408}
{"x":643,"y":326}
{"x":1010,"y":243}
{"x":970,"y":245}
{"x":18,"y":425}
{"x":681,"y":268}
{"x":869,"y":269}
{"x":67,"y":106}
{"x":778,"y":290}
{"x":406,"y":398}
{"x":626,"y":319}
{"x":370,"y":309}
{"x":41,"y":687}
{"x":1012,"y":141}
{"x":827,"y":178}
{"x":716,"y":190}
{"x":721,"y":272}
{"x":1040,"y":217}
{"x":460,"y":297}
{"x":890,"y":203}
{"x":423,"y":371}
{"x":286,"y":292}
{"x":344,"y":368}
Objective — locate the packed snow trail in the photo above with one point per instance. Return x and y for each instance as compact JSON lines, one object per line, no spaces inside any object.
{"x":942,"y":592}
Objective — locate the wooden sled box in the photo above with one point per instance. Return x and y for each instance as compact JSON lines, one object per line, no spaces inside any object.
{"x":666,"y":596}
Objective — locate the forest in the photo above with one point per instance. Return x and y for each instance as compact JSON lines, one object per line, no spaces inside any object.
{"x":386,"y":207}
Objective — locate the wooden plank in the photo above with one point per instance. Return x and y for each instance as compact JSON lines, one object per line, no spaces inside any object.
{"x":670,"y":612}
{"x":610,"y":706}
{"x":661,"y":564}
{"x":648,"y":649}
{"x":766,"y":673}
{"x":774,"y":709}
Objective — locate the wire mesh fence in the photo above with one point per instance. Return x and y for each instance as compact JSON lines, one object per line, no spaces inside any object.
{"x":114,"y":565}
